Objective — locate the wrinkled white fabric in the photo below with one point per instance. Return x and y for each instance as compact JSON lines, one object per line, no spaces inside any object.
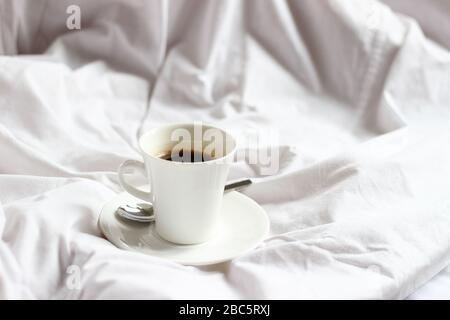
{"x":357,"y":94}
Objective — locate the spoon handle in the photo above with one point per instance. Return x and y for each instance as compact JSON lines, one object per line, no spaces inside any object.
{"x":237,"y":185}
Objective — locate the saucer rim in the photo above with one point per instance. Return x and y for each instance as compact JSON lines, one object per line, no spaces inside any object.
{"x":124,"y":246}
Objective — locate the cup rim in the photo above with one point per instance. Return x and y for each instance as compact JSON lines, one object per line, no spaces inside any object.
{"x":181,"y":125}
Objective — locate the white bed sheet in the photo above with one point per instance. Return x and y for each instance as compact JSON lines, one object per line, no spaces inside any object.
{"x":438,"y":288}
{"x":357,"y":94}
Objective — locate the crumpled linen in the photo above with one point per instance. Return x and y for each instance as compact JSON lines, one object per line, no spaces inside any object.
{"x":357,"y":94}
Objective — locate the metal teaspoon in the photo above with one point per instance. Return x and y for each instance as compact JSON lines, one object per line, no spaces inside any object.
{"x":143,"y":212}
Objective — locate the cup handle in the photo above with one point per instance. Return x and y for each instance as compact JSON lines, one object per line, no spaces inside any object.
{"x":134,"y":165}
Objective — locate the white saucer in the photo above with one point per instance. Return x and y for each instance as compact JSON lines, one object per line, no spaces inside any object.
{"x":243,"y":225}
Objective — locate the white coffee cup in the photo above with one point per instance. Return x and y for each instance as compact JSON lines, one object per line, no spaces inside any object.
{"x":186,"y":196}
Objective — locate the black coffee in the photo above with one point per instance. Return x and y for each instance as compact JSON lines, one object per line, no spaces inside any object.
{"x":186,"y":156}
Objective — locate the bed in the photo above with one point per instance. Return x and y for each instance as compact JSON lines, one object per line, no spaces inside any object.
{"x":354,"y":93}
